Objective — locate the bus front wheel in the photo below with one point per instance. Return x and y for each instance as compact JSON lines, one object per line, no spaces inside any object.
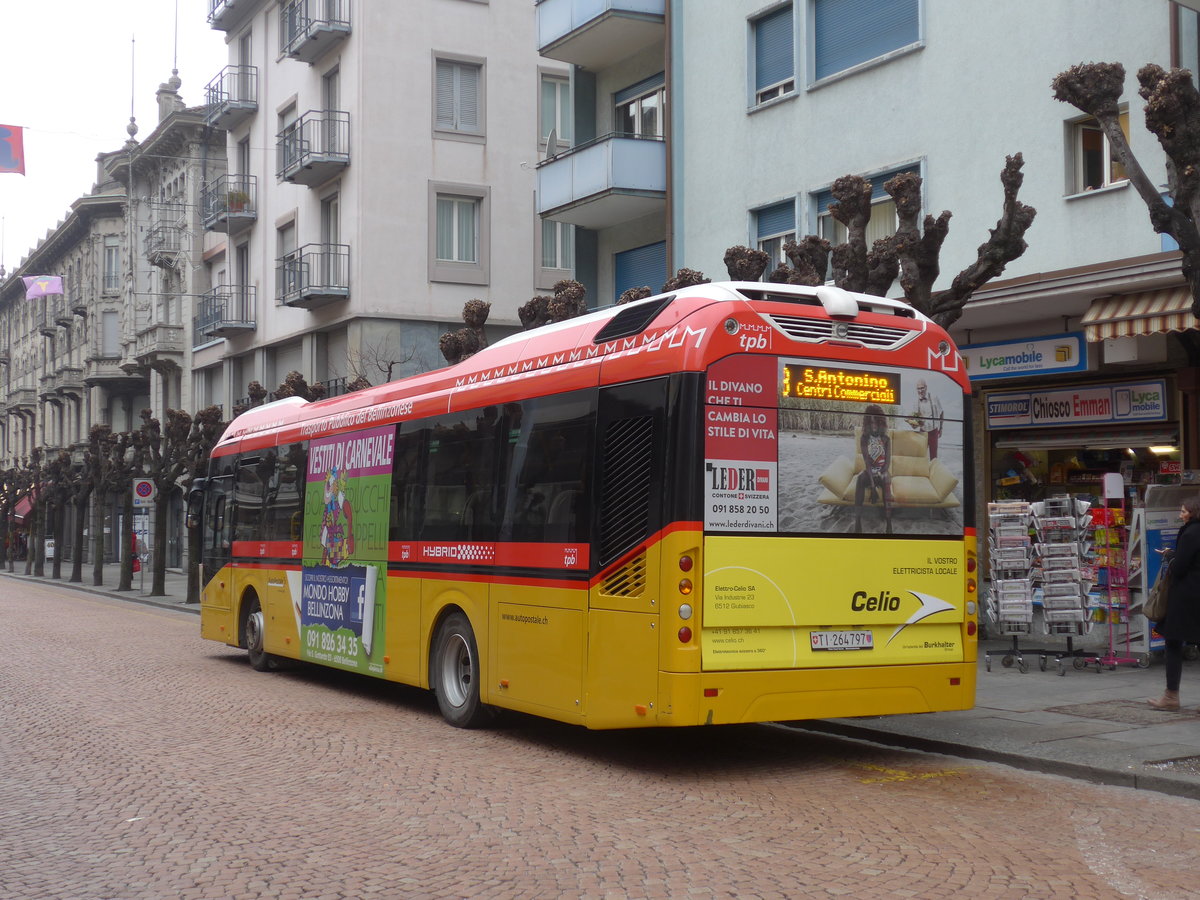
{"x":454,"y":674}
{"x":260,"y":660}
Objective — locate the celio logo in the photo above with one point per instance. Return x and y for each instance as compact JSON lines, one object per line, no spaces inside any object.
{"x":886,"y":601}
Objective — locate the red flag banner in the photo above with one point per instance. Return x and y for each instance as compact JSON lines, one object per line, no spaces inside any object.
{"x":42,"y":285}
{"x":12,"y":149}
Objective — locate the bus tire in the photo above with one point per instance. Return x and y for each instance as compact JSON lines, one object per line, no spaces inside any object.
{"x":260,"y":660}
{"x":454,"y":674}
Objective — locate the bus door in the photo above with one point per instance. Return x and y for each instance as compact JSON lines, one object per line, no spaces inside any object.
{"x":216,"y":548}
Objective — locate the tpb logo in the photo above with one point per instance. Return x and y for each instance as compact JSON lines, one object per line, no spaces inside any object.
{"x":570,"y":556}
{"x":753,"y":342}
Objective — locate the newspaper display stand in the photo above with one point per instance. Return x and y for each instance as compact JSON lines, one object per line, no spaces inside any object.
{"x":1062,"y":572}
{"x":1109,"y":602}
{"x":1010,"y":598}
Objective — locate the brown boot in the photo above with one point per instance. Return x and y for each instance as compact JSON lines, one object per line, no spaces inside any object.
{"x":1168,"y":702}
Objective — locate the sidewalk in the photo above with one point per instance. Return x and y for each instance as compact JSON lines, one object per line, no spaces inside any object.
{"x":1091,"y":723}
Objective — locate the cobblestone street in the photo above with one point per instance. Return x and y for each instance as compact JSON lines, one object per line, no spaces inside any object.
{"x":137,"y":761}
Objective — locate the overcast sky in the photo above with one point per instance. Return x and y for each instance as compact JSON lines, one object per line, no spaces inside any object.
{"x":69,"y":74}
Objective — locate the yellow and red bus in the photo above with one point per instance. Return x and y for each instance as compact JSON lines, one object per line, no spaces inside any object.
{"x":737,"y":502}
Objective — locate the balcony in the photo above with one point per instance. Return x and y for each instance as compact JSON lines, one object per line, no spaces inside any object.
{"x":309,"y":28}
{"x":597,"y":33}
{"x":69,"y":382}
{"x":226,"y":311}
{"x":22,"y":399}
{"x":314,"y":148}
{"x":226,"y":15}
{"x":62,"y":313}
{"x":160,"y":347}
{"x":78,"y":306}
{"x":48,"y":387}
{"x":613,"y":179}
{"x":232,"y":97}
{"x":230,"y":204}
{"x":312,"y":276}
{"x":107,"y":371}
{"x":45,"y":319}
{"x":4,"y":358}
{"x":164,"y":244}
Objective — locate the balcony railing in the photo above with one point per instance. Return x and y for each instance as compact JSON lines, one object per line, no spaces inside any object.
{"x":164,"y":244}
{"x":309,"y":28}
{"x":225,"y":15}
{"x":613,"y":179}
{"x":159,"y":346}
{"x":597,"y":33}
{"x":230,"y":203}
{"x":232,"y":97}
{"x":314,"y":148}
{"x":226,"y":310}
{"x":313,"y":275}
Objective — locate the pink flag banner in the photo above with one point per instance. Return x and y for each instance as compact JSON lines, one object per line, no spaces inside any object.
{"x":12,"y":149}
{"x":42,"y":285}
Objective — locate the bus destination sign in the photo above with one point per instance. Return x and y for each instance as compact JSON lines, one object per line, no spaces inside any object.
{"x":809,"y":382}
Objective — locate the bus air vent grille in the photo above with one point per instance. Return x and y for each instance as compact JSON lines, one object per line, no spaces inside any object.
{"x":632,"y":320}
{"x":626,"y":492}
{"x":882,"y":337}
{"x":627,"y":581}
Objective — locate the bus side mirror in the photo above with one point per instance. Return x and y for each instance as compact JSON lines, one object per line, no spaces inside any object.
{"x":194,"y":508}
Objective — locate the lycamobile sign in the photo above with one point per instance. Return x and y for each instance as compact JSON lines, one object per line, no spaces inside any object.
{"x":1011,"y":359}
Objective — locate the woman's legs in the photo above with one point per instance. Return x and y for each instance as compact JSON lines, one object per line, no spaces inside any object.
{"x":1174,"y":665}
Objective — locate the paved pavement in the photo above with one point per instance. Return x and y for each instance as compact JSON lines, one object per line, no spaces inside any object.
{"x":1091,"y":723}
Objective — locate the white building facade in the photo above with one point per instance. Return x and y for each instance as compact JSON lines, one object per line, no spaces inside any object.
{"x":382,"y":173}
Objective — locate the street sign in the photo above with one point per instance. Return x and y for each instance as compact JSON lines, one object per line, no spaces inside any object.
{"x":144,"y":492}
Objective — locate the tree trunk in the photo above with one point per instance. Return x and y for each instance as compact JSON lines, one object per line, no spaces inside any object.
{"x":126,"y":545}
{"x":59,"y":527}
{"x":99,"y":502}
{"x":37,"y":548}
{"x":162,"y":504}
{"x":81,"y":511}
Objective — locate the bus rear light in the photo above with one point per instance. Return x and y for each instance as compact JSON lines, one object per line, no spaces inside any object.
{"x":971,"y":564}
{"x":970,"y":629}
{"x":685,"y":634}
{"x":710,"y":692}
{"x":685,"y":564}
{"x":685,"y":611}
{"x":971,"y":608}
{"x":955,"y":682}
{"x":685,"y":586}
{"x":971,"y":585}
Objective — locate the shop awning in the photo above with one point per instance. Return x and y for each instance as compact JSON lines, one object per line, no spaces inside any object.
{"x":1149,"y":312}
{"x":21,"y":509}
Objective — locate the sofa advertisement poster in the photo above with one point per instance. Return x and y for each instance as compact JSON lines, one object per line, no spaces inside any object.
{"x":344,"y":577}
{"x":796,"y":446}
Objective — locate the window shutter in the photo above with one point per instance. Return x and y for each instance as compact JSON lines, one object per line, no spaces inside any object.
{"x":777,"y":219}
{"x":773,"y":56}
{"x":445,"y":95}
{"x":848,"y":32}
{"x":645,"y":86}
{"x":468,"y":98}
{"x":641,"y":267}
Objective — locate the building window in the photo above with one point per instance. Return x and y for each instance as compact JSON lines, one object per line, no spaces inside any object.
{"x":774,"y":226}
{"x":558,"y":245}
{"x":459,"y":239}
{"x":110,"y":334}
{"x":112,"y":264}
{"x":883,"y":211}
{"x":774,"y":64}
{"x":555,"y":110}
{"x":459,"y":98}
{"x":1095,"y":164}
{"x":640,"y":108}
{"x":848,"y":33}
{"x":640,"y":267}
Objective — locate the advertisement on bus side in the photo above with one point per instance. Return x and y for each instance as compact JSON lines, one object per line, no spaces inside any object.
{"x":343,"y":583}
{"x":778,"y":603}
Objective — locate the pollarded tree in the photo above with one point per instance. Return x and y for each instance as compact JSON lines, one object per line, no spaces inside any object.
{"x":169,"y":454}
{"x":912,"y":253}
{"x":1172,"y":116}
{"x":58,"y":487}
{"x":569,"y":300}
{"x":456,"y":346}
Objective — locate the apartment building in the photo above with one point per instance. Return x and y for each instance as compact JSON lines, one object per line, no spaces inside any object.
{"x":772,"y":101}
{"x":382,"y":172}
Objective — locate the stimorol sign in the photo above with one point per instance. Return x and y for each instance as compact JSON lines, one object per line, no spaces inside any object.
{"x":1055,"y":354}
{"x":1102,"y":404}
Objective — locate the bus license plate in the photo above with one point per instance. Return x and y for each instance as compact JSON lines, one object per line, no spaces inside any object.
{"x":842,"y":640}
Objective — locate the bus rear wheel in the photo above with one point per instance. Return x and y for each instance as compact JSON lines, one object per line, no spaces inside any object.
{"x":260,"y":660}
{"x":454,"y":674}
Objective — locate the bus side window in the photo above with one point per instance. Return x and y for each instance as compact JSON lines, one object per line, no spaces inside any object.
{"x":285,"y":506}
{"x":249,"y":497}
{"x":408,"y":480}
